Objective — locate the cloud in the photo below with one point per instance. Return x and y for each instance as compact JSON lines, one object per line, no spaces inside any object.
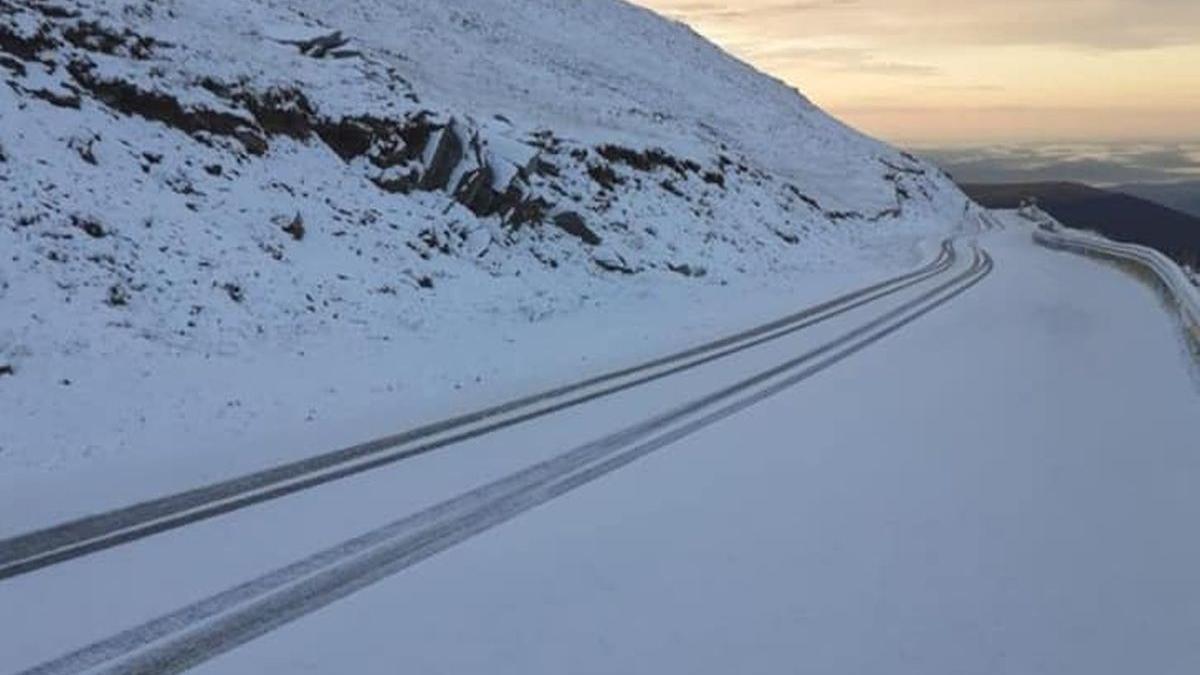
{"x":1096,"y":164}
{"x":1095,"y":24}
{"x":840,"y":59}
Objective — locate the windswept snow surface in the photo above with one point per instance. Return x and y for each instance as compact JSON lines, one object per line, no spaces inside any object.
{"x":1006,"y":486}
{"x":251,"y":229}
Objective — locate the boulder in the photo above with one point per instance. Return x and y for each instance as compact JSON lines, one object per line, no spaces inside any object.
{"x":442,"y":157}
{"x":573,"y":224}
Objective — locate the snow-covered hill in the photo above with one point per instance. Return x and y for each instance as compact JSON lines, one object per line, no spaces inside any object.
{"x":227,"y":179}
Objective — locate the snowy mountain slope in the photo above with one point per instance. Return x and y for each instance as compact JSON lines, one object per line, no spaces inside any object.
{"x":188,"y":178}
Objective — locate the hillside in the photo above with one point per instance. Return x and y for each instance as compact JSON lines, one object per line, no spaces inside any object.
{"x":258,"y":188}
{"x":1181,"y":195}
{"x":1115,"y":215}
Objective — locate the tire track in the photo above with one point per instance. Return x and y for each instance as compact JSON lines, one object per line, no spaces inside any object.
{"x":73,"y":539}
{"x":199,"y":632}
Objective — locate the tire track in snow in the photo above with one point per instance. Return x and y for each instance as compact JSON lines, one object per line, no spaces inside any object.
{"x":199,"y":632}
{"x":42,"y":548}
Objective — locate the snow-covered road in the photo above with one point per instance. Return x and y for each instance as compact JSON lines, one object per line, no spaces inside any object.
{"x":1005,"y":485}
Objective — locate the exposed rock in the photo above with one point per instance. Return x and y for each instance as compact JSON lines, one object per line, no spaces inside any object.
{"x":573,"y":224}
{"x":84,"y":147}
{"x":318,"y":46}
{"x":235,"y":292}
{"x":117,"y":296}
{"x":89,"y":226}
{"x":7,"y":369}
{"x":26,"y":46}
{"x":295,"y":228}
{"x":254,"y":143}
{"x":789,"y":237}
{"x":13,"y":65}
{"x":529,"y":211}
{"x":94,"y":37}
{"x":446,"y":154}
{"x":604,"y":176}
{"x":162,"y":107}
{"x":693,"y":271}
{"x":647,"y":160}
{"x":55,"y":11}
{"x":611,"y":261}
{"x":475,"y":191}
{"x":280,"y":111}
{"x":63,"y":99}
{"x":396,"y":181}
{"x":349,"y":138}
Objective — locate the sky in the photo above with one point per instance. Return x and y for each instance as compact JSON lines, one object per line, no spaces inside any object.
{"x":941,"y":73}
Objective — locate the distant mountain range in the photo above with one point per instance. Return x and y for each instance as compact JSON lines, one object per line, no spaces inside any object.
{"x":1116,"y":215}
{"x":1181,"y":196}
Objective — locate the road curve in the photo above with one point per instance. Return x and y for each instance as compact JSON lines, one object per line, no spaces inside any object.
{"x":203,"y":630}
{"x":42,"y":548}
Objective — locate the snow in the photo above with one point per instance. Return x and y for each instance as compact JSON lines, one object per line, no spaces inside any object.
{"x":1006,"y":485}
{"x":146,"y":259}
{"x":1018,"y":501}
{"x":987,"y":490}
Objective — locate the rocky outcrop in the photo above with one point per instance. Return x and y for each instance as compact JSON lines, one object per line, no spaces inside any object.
{"x":573,"y":224}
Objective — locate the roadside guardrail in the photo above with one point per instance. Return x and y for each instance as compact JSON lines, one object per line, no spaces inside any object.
{"x":1178,"y":286}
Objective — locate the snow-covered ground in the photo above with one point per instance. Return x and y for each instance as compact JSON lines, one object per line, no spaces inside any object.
{"x":1004,"y":485}
{"x":224,"y":231}
{"x":237,"y":233}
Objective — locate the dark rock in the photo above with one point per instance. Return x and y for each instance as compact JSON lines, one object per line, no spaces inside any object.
{"x":573,"y":224}
{"x":13,"y":65}
{"x":254,"y":143}
{"x":803,"y":197}
{"x":295,"y":228}
{"x":789,"y":237}
{"x":398,"y":183}
{"x":475,"y":191}
{"x":349,"y":138}
{"x":85,"y":148}
{"x":214,"y":169}
{"x":281,"y":111}
{"x":321,"y":45}
{"x":117,"y":297}
{"x":611,"y":261}
{"x":714,"y":178}
{"x":55,"y":11}
{"x":648,"y":160}
{"x":529,"y":211}
{"x":61,"y":99}
{"x":89,"y":226}
{"x":693,"y":271}
{"x":604,"y":176}
{"x":672,"y":188}
{"x":25,"y":47}
{"x":234,"y":292}
{"x":94,"y":37}
{"x":446,"y":155}
{"x":6,"y":369}
{"x":158,"y":106}
{"x":544,"y":168}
